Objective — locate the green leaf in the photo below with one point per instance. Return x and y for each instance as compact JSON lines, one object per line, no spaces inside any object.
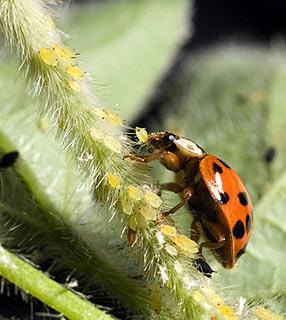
{"x":129,"y":44}
{"x":276,"y":130}
{"x":37,"y":146}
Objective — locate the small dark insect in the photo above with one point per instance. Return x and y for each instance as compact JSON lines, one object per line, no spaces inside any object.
{"x":9,"y":159}
{"x":203,"y":267}
{"x":270,"y":154}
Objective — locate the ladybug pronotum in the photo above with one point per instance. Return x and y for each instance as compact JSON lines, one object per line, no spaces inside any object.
{"x":213,"y":191}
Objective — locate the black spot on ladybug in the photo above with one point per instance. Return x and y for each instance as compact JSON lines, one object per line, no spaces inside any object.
{"x":224,"y":198}
{"x":226,"y":165}
{"x":248,"y":223}
{"x":217,"y":168}
{"x":203,"y":267}
{"x":270,"y":154}
{"x":9,"y":159}
{"x":238,"y":230}
{"x":241,"y":252}
{"x":243,"y":198}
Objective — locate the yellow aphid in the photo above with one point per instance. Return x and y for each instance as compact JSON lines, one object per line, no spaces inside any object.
{"x":75,"y":86}
{"x":141,"y":134}
{"x":113,"y":118}
{"x":48,"y":56}
{"x":153,"y":199}
{"x":64,"y":53}
{"x":147,"y":212}
{"x":211,"y":294}
{"x":113,"y":180}
{"x":127,"y":206}
{"x":96,"y":134}
{"x":136,"y":221}
{"x":199,"y":297}
{"x":171,"y":250}
{"x":43,"y":124}
{"x":134,"y":193}
{"x":168,"y":230}
{"x":187,"y":245}
{"x":99,"y":112}
{"x":112,"y":143}
{"x":227,"y":311}
{"x":266,"y":314}
{"x":75,"y":72}
{"x":133,"y":222}
{"x":156,"y":299}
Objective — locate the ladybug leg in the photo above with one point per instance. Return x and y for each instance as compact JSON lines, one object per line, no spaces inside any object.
{"x":211,"y":245}
{"x":187,"y":195}
{"x":169,"y":159}
{"x":216,"y":231}
{"x":171,"y":186}
{"x":146,"y":158}
{"x":195,"y":229}
{"x":200,"y":263}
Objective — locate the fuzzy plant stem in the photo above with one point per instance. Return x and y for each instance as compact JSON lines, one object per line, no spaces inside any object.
{"x":48,"y":291}
{"x":85,"y":260}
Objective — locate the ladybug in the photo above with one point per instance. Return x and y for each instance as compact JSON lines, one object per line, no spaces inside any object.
{"x":213,"y":191}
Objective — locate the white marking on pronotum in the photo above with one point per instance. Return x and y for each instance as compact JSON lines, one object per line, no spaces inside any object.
{"x":189,"y":146}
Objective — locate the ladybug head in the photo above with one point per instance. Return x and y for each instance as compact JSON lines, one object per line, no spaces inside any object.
{"x":161,"y":140}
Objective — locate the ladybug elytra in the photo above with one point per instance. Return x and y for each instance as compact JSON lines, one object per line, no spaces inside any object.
{"x":214,"y":192}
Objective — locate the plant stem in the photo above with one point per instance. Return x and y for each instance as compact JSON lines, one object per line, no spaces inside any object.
{"x":33,"y":281}
{"x":65,"y":239}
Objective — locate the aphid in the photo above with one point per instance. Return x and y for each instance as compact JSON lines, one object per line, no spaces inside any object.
{"x":213,"y":191}
{"x":9,"y":159}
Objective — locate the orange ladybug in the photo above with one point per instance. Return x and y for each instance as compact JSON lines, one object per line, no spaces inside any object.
{"x":213,"y":191}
